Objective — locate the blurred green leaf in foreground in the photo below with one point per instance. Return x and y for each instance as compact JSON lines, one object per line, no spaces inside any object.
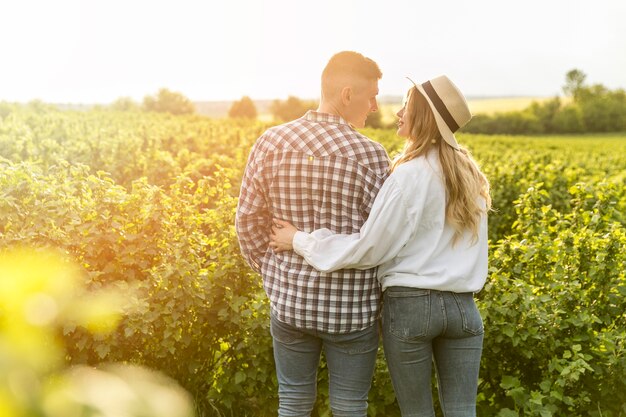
{"x":40,"y":294}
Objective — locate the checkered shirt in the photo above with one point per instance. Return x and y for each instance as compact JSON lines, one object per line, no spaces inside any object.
{"x":315,"y":172}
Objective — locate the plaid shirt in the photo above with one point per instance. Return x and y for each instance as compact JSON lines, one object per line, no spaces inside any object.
{"x":315,"y":172}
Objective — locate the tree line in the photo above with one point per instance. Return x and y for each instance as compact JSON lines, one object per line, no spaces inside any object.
{"x":585,"y":109}
{"x":166,"y":101}
{"x":588,"y":109}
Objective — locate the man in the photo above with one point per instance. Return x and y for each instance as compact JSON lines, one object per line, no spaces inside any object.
{"x":318,"y":172}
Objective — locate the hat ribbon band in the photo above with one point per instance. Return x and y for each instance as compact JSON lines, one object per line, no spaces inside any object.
{"x":440,"y":106}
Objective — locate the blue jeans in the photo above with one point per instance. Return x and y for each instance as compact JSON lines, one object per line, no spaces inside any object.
{"x":351,"y":359}
{"x":422,"y":325}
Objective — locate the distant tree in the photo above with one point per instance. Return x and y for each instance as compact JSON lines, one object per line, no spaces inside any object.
{"x":290,"y":109}
{"x":167,"y":101}
{"x":124,"y":104}
{"x":574,"y":82}
{"x":243,"y":108}
{"x":603,"y":110}
{"x":374,"y":120}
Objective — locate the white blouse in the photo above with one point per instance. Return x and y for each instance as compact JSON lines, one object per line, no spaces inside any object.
{"x":407,"y":236}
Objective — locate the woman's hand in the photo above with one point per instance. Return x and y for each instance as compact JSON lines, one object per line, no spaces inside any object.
{"x":282,"y":235}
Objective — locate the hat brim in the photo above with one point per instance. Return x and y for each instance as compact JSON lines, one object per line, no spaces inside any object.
{"x":445,"y":131}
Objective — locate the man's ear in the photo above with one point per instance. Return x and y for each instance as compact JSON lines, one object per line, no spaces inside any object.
{"x":346,"y":95}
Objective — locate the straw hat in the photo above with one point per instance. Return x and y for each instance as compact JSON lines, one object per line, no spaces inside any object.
{"x":448,"y":105}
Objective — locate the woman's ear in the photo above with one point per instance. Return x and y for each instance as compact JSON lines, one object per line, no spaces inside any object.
{"x":346,"y":95}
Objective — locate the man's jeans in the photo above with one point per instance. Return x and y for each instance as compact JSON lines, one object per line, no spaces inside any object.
{"x":419,"y":325}
{"x":351,"y":359}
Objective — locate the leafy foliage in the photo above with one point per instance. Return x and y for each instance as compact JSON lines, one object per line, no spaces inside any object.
{"x":145,"y":202}
{"x":42,"y":293}
{"x":557,"y":331}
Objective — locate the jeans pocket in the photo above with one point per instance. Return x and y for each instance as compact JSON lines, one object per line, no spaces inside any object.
{"x":406,"y":313}
{"x":283,"y":332}
{"x":472,"y":321}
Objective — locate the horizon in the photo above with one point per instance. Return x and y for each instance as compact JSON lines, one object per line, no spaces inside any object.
{"x":385,"y":99}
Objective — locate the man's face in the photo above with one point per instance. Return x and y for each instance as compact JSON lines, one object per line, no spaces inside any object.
{"x":362,"y":102}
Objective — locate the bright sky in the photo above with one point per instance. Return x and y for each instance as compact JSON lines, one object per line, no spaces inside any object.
{"x":96,"y":51}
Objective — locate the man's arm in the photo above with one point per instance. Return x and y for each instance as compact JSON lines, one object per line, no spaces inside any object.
{"x":253,"y":220}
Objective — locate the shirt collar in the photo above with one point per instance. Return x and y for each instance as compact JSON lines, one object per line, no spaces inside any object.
{"x":315,"y":116}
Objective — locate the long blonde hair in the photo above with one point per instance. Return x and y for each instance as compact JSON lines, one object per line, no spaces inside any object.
{"x":464,"y":181}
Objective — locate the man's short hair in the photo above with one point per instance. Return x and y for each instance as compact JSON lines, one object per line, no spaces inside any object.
{"x":348,"y":65}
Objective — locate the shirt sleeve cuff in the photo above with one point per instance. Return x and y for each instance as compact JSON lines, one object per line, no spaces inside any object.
{"x":302,"y":242}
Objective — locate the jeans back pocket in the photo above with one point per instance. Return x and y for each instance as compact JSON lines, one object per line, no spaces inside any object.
{"x":472,"y":321}
{"x":406,"y":312}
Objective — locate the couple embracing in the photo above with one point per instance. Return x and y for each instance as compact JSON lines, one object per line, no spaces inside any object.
{"x":343,"y":237}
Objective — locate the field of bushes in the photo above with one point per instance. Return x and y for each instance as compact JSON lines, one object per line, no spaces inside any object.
{"x":143,"y":205}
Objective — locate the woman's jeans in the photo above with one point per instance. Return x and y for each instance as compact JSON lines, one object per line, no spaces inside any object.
{"x":422,"y":325}
{"x":351,"y":359}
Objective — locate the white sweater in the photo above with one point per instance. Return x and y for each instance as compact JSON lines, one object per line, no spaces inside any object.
{"x":407,"y":236}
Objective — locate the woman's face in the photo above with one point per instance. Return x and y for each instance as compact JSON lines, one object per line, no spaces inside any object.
{"x":403,"y":122}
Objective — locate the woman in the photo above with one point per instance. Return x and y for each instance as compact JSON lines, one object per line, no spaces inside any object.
{"x":427,"y":231}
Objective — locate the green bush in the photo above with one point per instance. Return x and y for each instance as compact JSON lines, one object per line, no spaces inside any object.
{"x":197,"y":312}
{"x":145,"y":202}
{"x":554,"y":309}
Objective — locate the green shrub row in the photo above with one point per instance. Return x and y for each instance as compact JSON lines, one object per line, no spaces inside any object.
{"x":146,"y":203}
